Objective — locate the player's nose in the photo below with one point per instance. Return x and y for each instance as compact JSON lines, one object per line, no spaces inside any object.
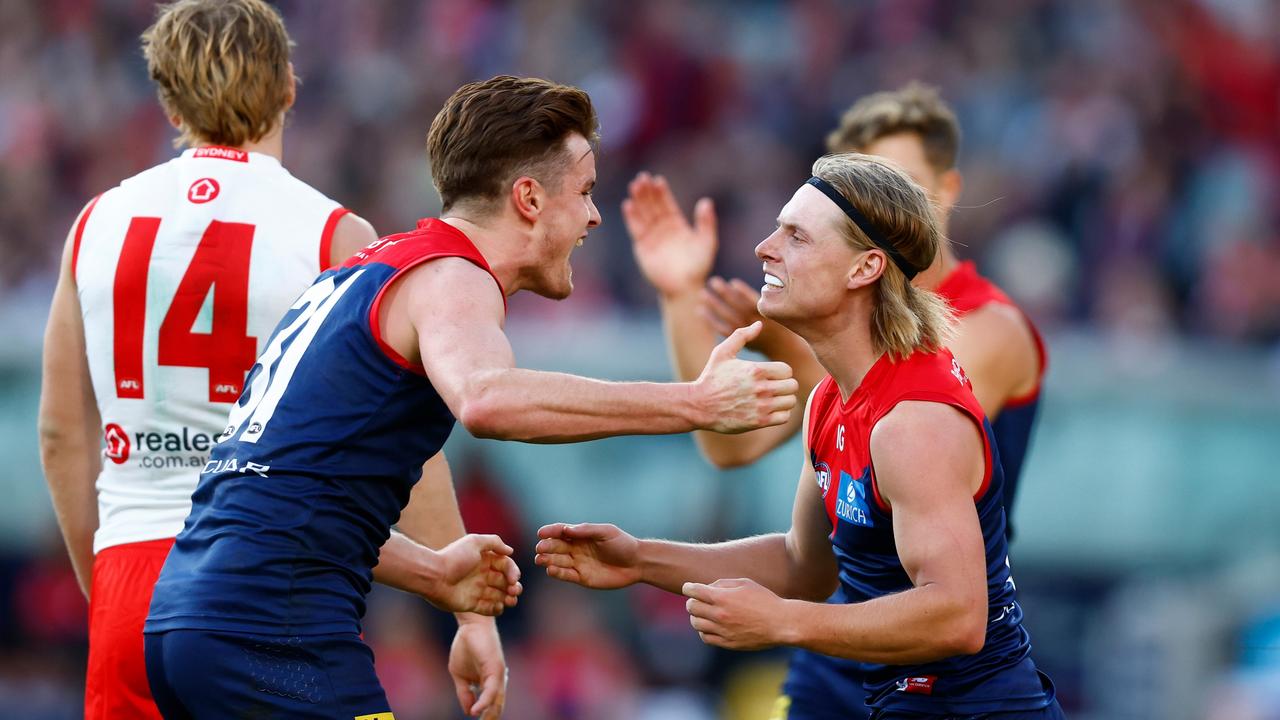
{"x":594,"y":219}
{"x":767,"y":249}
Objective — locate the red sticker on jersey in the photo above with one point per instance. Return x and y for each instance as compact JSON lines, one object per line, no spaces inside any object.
{"x":203,"y":190}
{"x":117,"y":443}
{"x":920,"y":684}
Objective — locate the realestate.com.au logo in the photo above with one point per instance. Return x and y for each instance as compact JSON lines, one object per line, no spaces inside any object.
{"x":117,"y":443}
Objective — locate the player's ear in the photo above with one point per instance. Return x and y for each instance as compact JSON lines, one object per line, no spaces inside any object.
{"x":867,"y":268}
{"x":175,"y":120}
{"x":529,"y":197}
{"x":291,"y":94}
{"x":949,"y":186}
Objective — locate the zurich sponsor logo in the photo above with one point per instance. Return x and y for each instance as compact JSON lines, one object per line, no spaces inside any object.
{"x":823,"y":473}
{"x":851,"y":503}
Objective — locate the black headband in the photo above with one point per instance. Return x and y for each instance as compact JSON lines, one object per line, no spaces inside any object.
{"x":865,"y":225}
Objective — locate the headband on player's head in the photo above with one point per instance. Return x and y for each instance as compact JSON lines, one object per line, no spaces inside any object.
{"x":865,"y":225}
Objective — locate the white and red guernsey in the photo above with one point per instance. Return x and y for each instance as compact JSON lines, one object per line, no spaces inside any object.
{"x":182,"y":272}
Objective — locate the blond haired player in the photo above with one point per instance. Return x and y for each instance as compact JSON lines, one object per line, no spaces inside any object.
{"x":996,"y":344}
{"x":899,"y":502}
{"x":169,"y":284}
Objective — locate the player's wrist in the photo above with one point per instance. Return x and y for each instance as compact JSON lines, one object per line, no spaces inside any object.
{"x":682,"y":291}
{"x":470,"y":618}
{"x":693,"y":405}
{"x":789,"y":628}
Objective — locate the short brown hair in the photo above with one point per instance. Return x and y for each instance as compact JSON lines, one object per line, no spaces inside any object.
{"x":222,"y":67}
{"x":906,"y":318}
{"x":491,"y":132}
{"x":913,"y":108}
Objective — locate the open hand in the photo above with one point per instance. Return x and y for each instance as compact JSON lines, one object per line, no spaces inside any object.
{"x":740,"y":395}
{"x":589,"y":554}
{"x":477,"y":575}
{"x":673,"y":255}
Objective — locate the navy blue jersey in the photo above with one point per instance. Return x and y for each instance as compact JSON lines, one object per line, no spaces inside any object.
{"x":1001,"y":676}
{"x":316,"y":463}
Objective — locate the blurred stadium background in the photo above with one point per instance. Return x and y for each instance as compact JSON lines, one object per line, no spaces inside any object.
{"x":1122,"y":161}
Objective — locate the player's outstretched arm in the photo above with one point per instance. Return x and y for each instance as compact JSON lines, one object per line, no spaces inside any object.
{"x":798,"y":564}
{"x":457,"y":313}
{"x":70,"y":426}
{"x":929,"y":463}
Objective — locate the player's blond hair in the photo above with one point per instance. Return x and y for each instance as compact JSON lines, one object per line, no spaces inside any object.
{"x":914,"y":108}
{"x":221,"y":67}
{"x":906,"y":318}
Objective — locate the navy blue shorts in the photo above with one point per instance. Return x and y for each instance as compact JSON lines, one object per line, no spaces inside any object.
{"x":197,"y":674}
{"x":1053,"y":712}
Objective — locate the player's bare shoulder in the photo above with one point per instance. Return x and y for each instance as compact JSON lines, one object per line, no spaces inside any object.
{"x":997,"y":336}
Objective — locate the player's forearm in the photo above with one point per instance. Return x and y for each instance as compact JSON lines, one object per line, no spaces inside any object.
{"x":533,"y":406}
{"x":409,"y":566}
{"x":70,"y":468}
{"x":919,"y":625}
{"x":690,"y":339}
{"x":763,"y":558}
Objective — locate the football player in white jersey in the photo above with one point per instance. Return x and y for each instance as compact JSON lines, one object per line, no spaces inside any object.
{"x":168,"y":284}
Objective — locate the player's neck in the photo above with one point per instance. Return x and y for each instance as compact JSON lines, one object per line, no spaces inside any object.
{"x":495,"y":244}
{"x":843,"y":345}
{"x":271,"y":144}
{"x":933,"y":276}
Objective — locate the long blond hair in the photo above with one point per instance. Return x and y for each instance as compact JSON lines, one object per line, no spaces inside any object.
{"x":221,"y":67}
{"x":906,"y":318}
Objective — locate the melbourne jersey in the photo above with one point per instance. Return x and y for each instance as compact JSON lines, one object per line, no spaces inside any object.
{"x":999,"y":677}
{"x":181,"y":271}
{"x":315,"y":462}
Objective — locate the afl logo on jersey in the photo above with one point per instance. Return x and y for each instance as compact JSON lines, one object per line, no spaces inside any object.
{"x":117,"y":443}
{"x":823,"y":473}
{"x":203,"y":190}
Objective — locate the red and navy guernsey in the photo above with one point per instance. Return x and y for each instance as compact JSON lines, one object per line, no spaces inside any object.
{"x":316,"y":463}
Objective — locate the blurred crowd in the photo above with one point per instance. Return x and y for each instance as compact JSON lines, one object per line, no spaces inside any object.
{"x":1122,"y":166}
{"x":1122,"y":158}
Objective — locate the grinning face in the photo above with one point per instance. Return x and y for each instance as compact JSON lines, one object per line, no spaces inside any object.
{"x":567,"y":216}
{"x":807,"y":263}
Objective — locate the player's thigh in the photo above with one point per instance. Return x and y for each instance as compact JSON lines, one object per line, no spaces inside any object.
{"x":219,"y":675}
{"x":116,"y":685}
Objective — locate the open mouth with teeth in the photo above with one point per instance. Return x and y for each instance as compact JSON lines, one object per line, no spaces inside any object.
{"x":772,"y":281}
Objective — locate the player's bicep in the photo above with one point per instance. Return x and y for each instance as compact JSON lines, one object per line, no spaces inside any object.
{"x":929,"y":460}
{"x":457,"y":311}
{"x":67,"y":402}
